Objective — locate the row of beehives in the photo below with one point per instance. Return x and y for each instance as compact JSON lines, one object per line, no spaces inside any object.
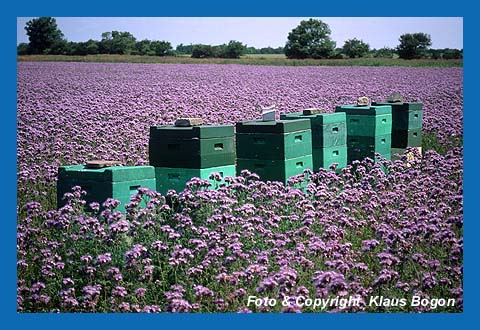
{"x":274,"y":149}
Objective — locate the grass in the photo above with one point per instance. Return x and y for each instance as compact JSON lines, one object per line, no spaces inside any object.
{"x":430,"y":142}
{"x":254,"y":59}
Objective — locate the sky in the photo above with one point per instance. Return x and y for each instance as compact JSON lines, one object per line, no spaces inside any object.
{"x":445,"y":32}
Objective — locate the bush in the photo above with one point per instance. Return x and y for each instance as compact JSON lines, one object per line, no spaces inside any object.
{"x":22,"y":49}
{"x":203,"y":51}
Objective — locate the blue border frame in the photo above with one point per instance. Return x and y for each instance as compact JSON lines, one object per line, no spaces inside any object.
{"x":216,"y":8}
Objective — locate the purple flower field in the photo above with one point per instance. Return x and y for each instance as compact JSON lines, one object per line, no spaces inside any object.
{"x":358,"y":234}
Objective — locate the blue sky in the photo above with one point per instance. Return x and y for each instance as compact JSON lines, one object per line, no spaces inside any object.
{"x":446,"y":32}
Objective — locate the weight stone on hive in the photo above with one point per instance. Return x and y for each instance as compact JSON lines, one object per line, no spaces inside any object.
{"x":187,"y":122}
{"x":395,"y":98}
{"x":313,"y":111}
{"x":363,"y":101}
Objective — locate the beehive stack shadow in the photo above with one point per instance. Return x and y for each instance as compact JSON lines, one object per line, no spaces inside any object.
{"x":329,"y":137}
{"x":189,"y":149}
{"x":274,"y":149}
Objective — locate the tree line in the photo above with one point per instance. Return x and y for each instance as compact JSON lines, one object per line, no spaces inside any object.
{"x":310,"y":39}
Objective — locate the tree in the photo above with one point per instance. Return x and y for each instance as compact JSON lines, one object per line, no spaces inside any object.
{"x":161,"y":48}
{"x":384,"y":52}
{"x":143,"y":47}
{"x":449,"y":54}
{"x":413,"y":45}
{"x":117,"y":42}
{"x":354,"y":48}
{"x":92,"y":47}
{"x":310,"y":39}
{"x":122,"y":42}
{"x":43,"y":33}
{"x":105,"y":46}
{"x":203,"y":51}
{"x":22,"y":48}
{"x":234,"y":49}
{"x":184,"y":49}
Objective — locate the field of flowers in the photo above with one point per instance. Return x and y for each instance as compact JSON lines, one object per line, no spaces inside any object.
{"x":360,"y":233}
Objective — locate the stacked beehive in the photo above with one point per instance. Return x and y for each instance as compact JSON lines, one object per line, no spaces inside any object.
{"x":407,"y":120}
{"x":181,"y":153}
{"x":118,"y":182}
{"x":369,"y":130}
{"x":329,"y":137}
{"x":275,"y":150}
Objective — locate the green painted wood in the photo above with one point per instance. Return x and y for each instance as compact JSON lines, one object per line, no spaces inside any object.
{"x":274,"y":146}
{"x":176,"y":178}
{"x":276,"y":170}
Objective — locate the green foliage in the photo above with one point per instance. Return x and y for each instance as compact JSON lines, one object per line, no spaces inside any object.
{"x":22,"y":48}
{"x":203,"y":51}
{"x":116,"y":42}
{"x":450,"y":54}
{"x":338,"y":54}
{"x":413,"y":45}
{"x":354,"y":48}
{"x":161,"y":48}
{"x":446,"y":53}
{"x":384,"y":52}
{"x":234,"y":49}
{"x":184,"y":49}
{"x":92,"y":47}
{"x":430,"y":142}
{"x":310,"y":39}
{"x":264,"y":50}
{"x":43,"y":34}
{"x":122,"y":42}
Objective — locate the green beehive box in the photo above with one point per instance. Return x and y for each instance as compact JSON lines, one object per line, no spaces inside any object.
{"x":118,"y":182}
{"x":176,"y":178}
{"x":360,"y":147}
{"x":360,"y":154}
{"x":364,"y":125}
{"x":275,"y":170}
{"x":273,"y":127}
{"x":200,"y":132}
{"x":274,"y":146}
{"x":407,"y":138}
{"x":324,"y":157}
{"x":405,"y":115}
{"x":379,"y":142}
{"x":272,"y":140}
{"x":372,"y":110}
{"x":191,"y":147}
{"x":328,"y":129}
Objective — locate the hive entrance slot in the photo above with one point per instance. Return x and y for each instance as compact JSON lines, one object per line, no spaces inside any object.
{"x":383,"y":141}
{"x":354,"y":120}
{"x":298,"y":138}
{"x":134,"y":188}
{"x":299,"y":164}
{"x":218,"y":146}
{"x":335,"y":152}
{"x":415,"y":134}
{"x":335,"y":130}
{"x":384,"y":120}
